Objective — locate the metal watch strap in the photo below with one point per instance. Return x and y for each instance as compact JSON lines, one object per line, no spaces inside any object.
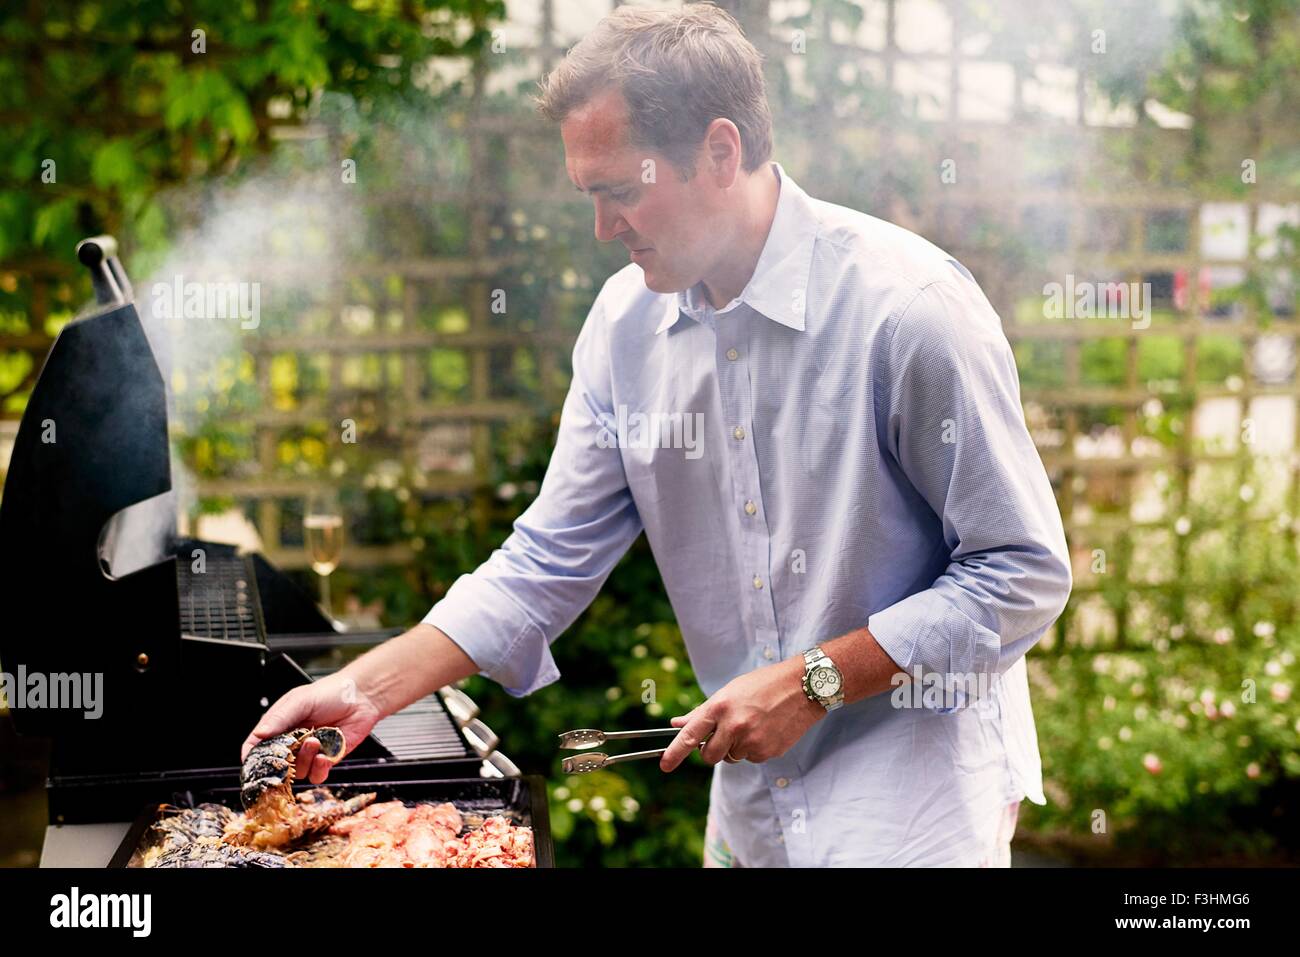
{"x":812,"y":658}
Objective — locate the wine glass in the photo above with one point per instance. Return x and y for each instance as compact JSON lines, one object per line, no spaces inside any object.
{"x":323,"y":528}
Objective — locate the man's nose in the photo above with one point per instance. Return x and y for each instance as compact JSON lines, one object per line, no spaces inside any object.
{"x":609,"y":222}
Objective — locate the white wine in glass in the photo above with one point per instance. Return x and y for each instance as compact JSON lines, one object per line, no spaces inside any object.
{"x":323,"y":528}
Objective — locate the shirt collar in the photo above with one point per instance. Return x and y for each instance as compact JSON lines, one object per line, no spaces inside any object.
{"x":779,"y":287}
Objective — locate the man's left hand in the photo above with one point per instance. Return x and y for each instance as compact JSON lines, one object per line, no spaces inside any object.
{"x":756,"y":717}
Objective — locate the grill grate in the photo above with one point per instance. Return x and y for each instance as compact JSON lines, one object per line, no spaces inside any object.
{"x":220,"y":601}
{"x":421,"y":731}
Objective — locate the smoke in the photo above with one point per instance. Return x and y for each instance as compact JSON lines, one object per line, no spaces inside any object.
{"x":262,"y":250}
{"x":254,"y":255}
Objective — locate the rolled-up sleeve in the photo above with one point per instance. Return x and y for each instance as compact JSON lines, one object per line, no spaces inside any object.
{"x":507,"y":612}
{"x":950,"y":402}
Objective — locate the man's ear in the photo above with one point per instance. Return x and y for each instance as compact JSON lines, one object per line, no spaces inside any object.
{"x":722,"y":143}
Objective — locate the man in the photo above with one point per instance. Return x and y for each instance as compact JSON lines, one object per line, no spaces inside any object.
{"x":829,"y":460}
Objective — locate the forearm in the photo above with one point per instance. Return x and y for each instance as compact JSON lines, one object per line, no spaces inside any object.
{"x":408,"y":667}
{"x":761,"y":714}
{"x":866,"y":669}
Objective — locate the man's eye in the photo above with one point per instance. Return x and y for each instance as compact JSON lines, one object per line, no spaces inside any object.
{"x":620,"y":197}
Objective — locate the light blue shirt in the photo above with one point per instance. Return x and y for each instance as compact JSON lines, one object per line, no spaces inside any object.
{"x":841,"y":445}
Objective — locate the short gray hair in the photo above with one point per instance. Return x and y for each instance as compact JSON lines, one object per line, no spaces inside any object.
{"x":678,"y":71}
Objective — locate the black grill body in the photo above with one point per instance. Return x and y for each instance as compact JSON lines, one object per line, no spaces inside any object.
{"x":98,"y":582}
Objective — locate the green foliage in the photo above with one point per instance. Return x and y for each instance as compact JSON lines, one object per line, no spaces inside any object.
{"x":117,"y":99}
{"x":1177,"y":727}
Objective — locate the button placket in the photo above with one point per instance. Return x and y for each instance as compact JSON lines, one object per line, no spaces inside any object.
{"x":786,"y":788}
{"x":788,"y":797}
{"x":734,"y":385}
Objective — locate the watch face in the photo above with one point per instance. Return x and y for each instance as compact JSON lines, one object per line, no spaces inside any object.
{"x":825,"y":682}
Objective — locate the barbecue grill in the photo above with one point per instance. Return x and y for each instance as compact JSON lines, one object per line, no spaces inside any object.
{"x":194,"y":639}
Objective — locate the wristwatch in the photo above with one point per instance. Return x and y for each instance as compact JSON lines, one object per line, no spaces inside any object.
{"x":822,"y":681}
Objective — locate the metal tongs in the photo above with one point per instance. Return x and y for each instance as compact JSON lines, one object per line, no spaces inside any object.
{"x":585,"y":738}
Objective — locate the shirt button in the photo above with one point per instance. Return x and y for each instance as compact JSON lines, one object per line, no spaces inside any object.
{"x":750,"y":508}
{"x":733,"y":355}
{"x":782,"y":782}
{"x":780,"y":839}
{"x":758,"y":582}
{"x":767,"y":652}
{"x":738,"y":432}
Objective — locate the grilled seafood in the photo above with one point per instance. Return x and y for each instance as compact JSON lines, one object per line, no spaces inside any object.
{"x":277,"y":820}
{"x":394,"y":835}
{"x":178,"y":827}
{"x":270,"y":764}
{"x":324,"y":851}
{"x":272,"y":817}
{"x":389,"y":834}
{"x":211,"y":852}
{"x":325,"y":830}
{"x":498,"y":843}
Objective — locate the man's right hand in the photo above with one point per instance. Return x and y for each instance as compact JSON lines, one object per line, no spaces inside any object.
{"x":333,"y":701}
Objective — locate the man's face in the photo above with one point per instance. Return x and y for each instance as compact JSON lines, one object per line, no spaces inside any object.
{"x":667,"y":218}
